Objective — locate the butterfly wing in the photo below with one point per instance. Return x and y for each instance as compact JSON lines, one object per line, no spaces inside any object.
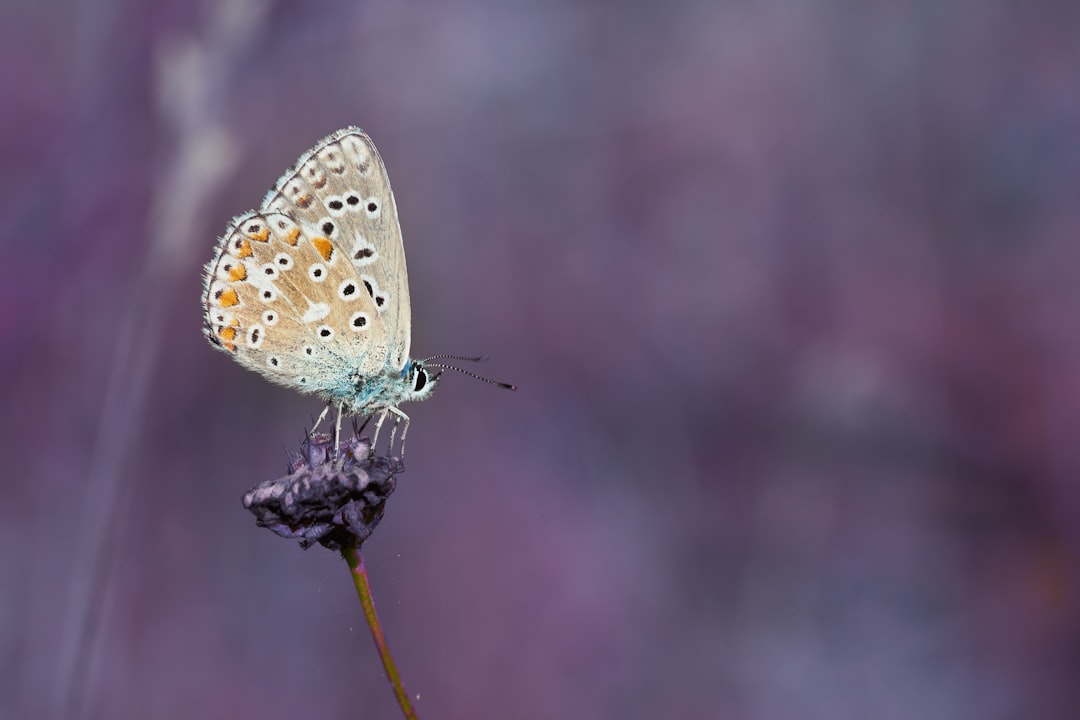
{"x":289,"y":304}
{"x":340,"y":190}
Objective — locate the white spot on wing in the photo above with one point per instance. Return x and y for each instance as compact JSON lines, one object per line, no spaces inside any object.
{"x":348,"y":290}
{"x":373,"y":207}
{"x":359,"y":321}
{"x":315,"y":311}
{"x":363,"y":252}
{"x":335,"y":204}
{"x":259,"y":278}
{"x":255,"y":336}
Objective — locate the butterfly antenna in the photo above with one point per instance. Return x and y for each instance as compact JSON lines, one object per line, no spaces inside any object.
{"x":474,"y":376}
{"x":464,"y":358}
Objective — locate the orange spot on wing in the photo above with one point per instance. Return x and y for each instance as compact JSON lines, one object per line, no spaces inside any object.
{"x":228,"y":333}
{"x":324,"y":246}
{"x":304,"y":200}
{"x":244,"y":250}
{"x":237,"y":273}
{"x":294,"y":236}
{"x":262,"y":236}
{"x":229,"y":298}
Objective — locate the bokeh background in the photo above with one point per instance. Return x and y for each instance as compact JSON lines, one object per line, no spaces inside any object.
{"x":791,"y":290}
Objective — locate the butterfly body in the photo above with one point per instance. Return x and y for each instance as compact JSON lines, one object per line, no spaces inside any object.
{"x":311,"y":290}
{"x":368,"y":394}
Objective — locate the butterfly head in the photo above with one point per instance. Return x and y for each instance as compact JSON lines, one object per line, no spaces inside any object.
{"x":417,"y":381}
{"x":366,"y":395}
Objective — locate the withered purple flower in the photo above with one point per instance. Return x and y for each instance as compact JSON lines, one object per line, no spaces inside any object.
{"x":332,"y":499}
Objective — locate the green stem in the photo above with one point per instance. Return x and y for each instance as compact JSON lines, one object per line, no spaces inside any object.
{"x":352,"y":556}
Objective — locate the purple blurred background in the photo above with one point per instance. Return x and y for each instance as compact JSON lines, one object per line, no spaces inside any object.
{"x":792,"y":292}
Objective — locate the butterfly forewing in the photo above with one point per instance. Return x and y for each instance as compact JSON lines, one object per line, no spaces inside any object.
{"x":340,"y":191}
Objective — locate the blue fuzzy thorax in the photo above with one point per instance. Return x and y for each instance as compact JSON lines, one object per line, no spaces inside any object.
{"x":373,"y":393}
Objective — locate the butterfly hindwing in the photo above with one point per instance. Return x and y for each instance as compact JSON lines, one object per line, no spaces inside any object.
{"x":282,"y":304}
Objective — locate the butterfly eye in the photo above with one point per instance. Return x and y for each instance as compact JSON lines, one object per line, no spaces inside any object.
{"x":421,"y":380}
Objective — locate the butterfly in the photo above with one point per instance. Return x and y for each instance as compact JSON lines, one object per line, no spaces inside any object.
{"x":311,"y":290}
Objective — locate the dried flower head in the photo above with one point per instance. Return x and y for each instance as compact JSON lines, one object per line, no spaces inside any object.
{"x":332,"y":499}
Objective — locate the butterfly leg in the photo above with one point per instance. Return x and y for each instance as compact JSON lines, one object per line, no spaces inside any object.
{"x":337,"y":427}
{"x":318,"y":422}
{"x":378,"y":427}
{"x":404,"y":432}
{"x":393,"y":432}
{"x":398,"y":417}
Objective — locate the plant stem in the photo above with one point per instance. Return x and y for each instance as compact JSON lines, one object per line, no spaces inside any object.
{"x":352,"y":556}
